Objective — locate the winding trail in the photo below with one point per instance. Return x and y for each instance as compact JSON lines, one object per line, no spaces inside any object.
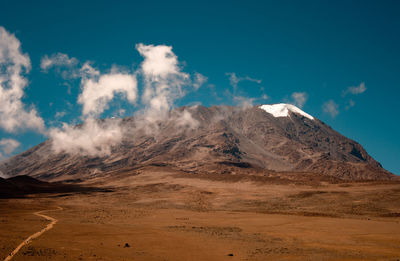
{"x":37,"y":234}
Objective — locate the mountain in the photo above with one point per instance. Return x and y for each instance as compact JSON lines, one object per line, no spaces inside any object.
{"x":279,"y":137}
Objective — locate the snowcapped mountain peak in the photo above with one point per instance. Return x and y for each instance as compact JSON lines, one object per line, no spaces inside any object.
{"x":282,"y":110}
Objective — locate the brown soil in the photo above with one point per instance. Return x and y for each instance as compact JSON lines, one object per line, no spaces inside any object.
{"x":160,"y":214}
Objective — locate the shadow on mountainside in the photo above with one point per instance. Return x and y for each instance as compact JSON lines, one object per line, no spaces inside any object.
{"x":22,"y":186}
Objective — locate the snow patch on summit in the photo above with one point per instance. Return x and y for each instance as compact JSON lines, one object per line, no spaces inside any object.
{"x":282,"y":110}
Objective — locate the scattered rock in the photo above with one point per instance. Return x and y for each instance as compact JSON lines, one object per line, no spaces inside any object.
{"x":230,"y":254}
{"x":127,"y":245}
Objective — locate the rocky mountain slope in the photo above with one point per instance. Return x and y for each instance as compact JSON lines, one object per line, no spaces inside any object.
{"x":277,"y":137}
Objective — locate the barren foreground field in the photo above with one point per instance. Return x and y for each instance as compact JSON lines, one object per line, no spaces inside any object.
{"x":159,"y":214}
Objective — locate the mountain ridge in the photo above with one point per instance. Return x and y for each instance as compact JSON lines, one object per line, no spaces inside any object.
{"x":242,"y":137}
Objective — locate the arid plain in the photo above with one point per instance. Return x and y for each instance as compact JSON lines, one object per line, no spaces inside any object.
{"x":158,"y":213}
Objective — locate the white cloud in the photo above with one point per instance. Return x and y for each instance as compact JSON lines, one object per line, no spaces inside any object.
{"x":244,"y":102}
{"x":331,"y":108}
{"x":91,"y":138}
{"x":164,"y":80}
{"x":9,"y":145}
{"x":234,"y":80}
{"x":13,"y":64}
{"x":199,"y":80}
{"x":159,"y":61}
{"x":355,"y":89}
{"x":60,"y":114}
{"x":247,"y":78}
{"x":68,"y":67}
{"x":185,"y":119}
{"x":96,"y":94}
{"x":57,"y":60}
{"x":87,"y":71}
{"x":299,"y":98}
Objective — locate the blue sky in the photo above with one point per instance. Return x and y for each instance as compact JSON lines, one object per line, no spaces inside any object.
{"x":341,"y":56}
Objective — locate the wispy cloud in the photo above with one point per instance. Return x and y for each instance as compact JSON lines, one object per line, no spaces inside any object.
{"x":60,"y":114}
{"x":299,"y":98}
{"x":244,"y":102}
{"x":87,"y":71}
{"x":92,"y":138}
{"x":355,"y":89}
{"x":234,"y":80}
{"x":164,"y":82}
{"x":57,"y":60}
{"x":9,"y":145}
{"x":331,"y":108}
{"x":13,"y":64}
{"x":67,"y":67}
{"x":199,"y":80}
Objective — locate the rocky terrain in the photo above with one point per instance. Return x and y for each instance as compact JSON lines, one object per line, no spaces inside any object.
{"x":158,"y":213}
{"x":209,"y":142}
{"x":220,"y":183}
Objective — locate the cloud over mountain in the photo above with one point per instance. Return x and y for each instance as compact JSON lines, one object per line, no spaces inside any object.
{"x":163,"y":82}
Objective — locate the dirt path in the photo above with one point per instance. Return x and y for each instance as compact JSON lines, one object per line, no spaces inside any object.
{"x":35,"y":235}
